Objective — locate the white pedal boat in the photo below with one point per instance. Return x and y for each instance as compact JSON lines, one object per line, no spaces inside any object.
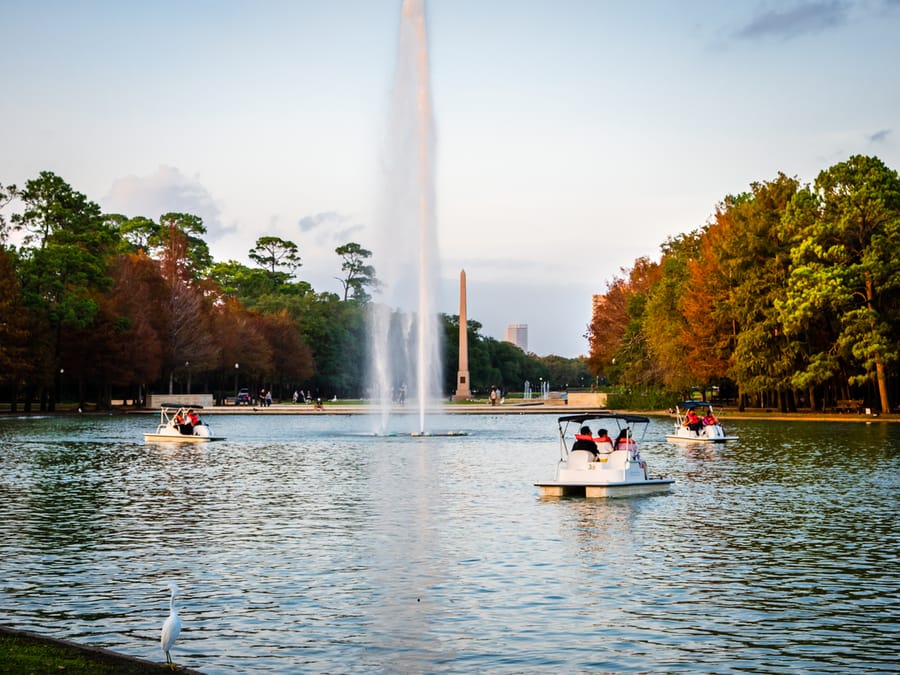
{"x":170,"y":429}
{"x":702,"y":433}
{"x":614,"y":469}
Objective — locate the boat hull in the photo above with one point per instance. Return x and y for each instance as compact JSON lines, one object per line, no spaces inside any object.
{"x":700,"y":439}
{"x":605,"y":490}
{"x":180,"y":438}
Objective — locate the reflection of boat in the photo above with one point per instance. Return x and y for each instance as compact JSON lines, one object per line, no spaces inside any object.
{"x":611,"y":471}
{"x":169,"y":429}
{"x":703,"y":433}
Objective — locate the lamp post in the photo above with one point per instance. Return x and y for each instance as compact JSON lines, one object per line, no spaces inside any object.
{"x":187,"y":367}
{"x":236,"y":369}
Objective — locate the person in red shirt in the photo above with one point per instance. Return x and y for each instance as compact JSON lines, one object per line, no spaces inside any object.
{"x":692,"y":422}
{"x":602,"y":436}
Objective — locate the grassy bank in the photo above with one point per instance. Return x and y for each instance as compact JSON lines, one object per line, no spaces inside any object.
{"x":23,"y":652}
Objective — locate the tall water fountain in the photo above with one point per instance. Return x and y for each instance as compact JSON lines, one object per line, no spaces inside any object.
{"x":405,"y":352}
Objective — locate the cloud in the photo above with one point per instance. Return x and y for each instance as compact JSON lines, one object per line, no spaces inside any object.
{"x":165,"y":191}
{"x":329,"y":227}
{"x":792,"y":21}
{"x":310,"y":223}
{"x":881,"y":135}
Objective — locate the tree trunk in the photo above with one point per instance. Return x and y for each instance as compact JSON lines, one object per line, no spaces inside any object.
{"x":882,"y":385}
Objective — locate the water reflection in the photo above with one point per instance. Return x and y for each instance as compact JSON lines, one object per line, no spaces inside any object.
{"x":304,"y":544}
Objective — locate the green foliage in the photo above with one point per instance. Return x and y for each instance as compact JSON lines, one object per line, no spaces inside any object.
{"x":7,"y":194}
{"x":358,"y":275}
{"x":845,"y":273}
{"x":662,"y":323}
{"x":788,"y":287}
{"x":641,"y":398}
{"x":13,"y":324}
{"x":179,"y":243}
{"x":63,"y":271}
{"x":272,"y":253}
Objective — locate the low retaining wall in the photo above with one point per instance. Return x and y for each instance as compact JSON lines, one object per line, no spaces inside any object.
{"x":587,"y":399}
{"x":201,"y":400}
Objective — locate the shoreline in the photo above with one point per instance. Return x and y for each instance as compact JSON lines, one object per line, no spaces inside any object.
{"x":530,"y":408}
{"x":59,"y":655}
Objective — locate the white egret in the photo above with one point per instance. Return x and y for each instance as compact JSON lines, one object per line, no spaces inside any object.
{"x":171,"y":628}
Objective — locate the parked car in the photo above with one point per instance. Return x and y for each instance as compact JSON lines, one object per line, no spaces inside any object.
{"x":243,"y":397}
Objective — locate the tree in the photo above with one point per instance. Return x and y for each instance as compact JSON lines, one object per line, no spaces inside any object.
{"x":14,"y":334}
{"x":273,"y":253}
{"x":137,"y":316}
{"x":62,"y":274}
{"x":178,"y":243}
{"x":241,"y":340}
{"x":7,"y":194}
{"x":357,"y":274}
{"x":139,"y":233}
{"x":242,"y":282}
{"x":664,"y":326}
{"x":565,"y":372}
{"x":617,"y":341}
{"x":847,"y":265}
{"x":292,"y":360}
{"x":710,"y":322}
{"x":335,"y":332}
{"x":756,"y":255}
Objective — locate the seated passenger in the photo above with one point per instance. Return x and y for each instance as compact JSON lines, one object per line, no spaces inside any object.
{"x":584,"y":440}
{"x":603,"y":441}
{"x":602,"y":436}
{"x":185,"y":424}
{"x":692,"y":422}
{"x":709,"y":419}
{"x":624,"y":441}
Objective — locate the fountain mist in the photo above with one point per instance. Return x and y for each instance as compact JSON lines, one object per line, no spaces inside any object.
{"x":405,"y":356}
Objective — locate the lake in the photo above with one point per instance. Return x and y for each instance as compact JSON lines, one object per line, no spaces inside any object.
{"x":305,"y":544}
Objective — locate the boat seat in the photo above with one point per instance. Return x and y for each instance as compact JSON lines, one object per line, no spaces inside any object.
{"x":579,"y":459}
{"x":617,"y":460}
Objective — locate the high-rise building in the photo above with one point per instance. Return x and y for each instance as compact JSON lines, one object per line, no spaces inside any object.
{"x":517,"y":333}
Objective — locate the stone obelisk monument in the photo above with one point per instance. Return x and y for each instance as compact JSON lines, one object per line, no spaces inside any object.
{"x":462,"y":375}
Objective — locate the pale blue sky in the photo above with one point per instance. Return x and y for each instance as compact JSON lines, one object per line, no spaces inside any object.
{"x":573,"y":136}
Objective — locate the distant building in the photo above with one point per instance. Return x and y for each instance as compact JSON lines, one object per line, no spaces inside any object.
{"x":517,"y":333}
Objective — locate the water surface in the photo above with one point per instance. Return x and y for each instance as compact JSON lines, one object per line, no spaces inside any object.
{"x":306,"y":544}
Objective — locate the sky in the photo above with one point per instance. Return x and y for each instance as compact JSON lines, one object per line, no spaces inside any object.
{"x":572,"y":137}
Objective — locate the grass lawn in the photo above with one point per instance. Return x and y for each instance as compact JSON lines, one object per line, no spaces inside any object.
{"x":30,"y":654}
